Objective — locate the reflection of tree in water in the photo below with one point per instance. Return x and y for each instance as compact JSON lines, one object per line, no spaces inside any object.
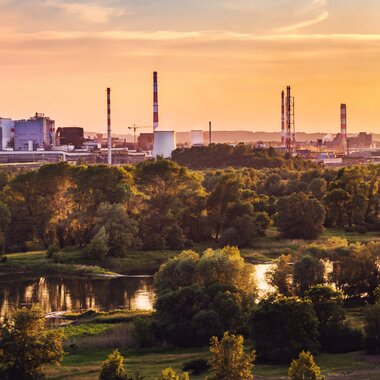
{"x":61,"y":294}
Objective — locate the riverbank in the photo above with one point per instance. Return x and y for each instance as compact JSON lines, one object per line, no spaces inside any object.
{"x":74,"y":262}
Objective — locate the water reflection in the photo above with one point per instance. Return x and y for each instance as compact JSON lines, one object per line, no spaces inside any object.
{"x":55,"y":294}
{"x":58,"y":294}
{"x":260,"y":273}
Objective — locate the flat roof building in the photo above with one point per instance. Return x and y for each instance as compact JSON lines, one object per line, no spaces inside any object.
{"x":34,"y":133}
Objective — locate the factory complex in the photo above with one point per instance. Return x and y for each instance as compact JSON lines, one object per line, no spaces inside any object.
{"x":37,"y":140}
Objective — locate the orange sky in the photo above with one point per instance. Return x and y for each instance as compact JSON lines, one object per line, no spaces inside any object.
{"x":220,"y":60}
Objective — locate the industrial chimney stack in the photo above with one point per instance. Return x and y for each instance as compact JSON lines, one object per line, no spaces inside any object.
{"x":343,"y":122}
{"x":290,"y":133}
{"x":283,"y":135}
{"x":109,"y":126}
{"x":155,"y":102}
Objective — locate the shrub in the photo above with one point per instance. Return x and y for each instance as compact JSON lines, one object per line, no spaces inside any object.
{"x":372,"y":328}
{"x":304,"y":368}
{"x":170,"y":374}
{"x":112,"y":367}
{"x":196,"y":367}
{"x":142,"y":333}
{"x":51,"y":250}
{"x":60,"y":257}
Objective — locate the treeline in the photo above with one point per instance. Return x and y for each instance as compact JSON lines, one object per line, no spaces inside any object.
{"x":219,"y":156}
{"x":161,"y":205}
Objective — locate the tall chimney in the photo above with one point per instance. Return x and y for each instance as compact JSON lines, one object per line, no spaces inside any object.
{"x":282,"y":118}
{"x":155,"y":102}
{"x":288,"y":119}
{"x":109,"y":126}
{"x":343,"y":122}
{"x":209,"y":132}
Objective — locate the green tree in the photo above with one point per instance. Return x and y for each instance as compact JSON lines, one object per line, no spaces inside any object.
{"x":228,"y":359}
{"x":200,"y":296}
{"x":336,"y":202}
{"x":307,"y":272}
{"x":317,"y":188}
{"x":355,"y":271}
{"x":304,"y":368}
{"x":93,"y":185}
{"x":298,"y":216}
{"x":281,"y":327}
{"x":280,"y":275}
{"x":25,"y":345}
{"x":121,"y":229}
{"x":98,"y":248}
{"x":166,"y":186}
{"x":5,"y":219}
{"x":335,"y":334}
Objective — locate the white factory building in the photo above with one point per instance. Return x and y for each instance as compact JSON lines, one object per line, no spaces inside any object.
{"x":164,"y":143}
{"x":6,"y":133}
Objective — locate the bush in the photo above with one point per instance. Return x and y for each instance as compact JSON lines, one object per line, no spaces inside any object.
{"x":98,"y":248}
{"x":4,"y":259}
{"x":142,"y":333}
{"x":112,"y":367}
{"x":372,"y":328}
{"x":60,"y":257}
{"x":196,"y":367}
{"x":51,"y":250}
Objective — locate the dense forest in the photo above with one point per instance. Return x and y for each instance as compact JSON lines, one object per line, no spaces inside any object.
{"x":161,"y":205}
{"x":218,"y":156}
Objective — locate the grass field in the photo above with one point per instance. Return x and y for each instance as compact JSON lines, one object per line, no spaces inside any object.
{"x":73,"y":262}
{"x":149,"y":363}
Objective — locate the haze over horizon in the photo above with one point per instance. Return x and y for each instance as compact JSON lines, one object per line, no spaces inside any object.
{"x":220,"y":60}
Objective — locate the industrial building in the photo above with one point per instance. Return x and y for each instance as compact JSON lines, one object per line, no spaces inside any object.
{"x":7,"y":130}
{"x":145,"y":141}
{"x":70,"y":136}
{"x":38,"y":132}
{"x":164,"y":144}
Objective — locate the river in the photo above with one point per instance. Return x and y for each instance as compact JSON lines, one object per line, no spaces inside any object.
{"x":60,"y":294}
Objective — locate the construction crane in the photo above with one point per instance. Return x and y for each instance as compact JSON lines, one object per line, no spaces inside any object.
{"x":135,"y":128}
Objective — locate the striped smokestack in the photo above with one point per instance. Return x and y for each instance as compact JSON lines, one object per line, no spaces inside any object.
{"x":282,"y":118}
{"x":343,"y":122}
{"x":109,"y":126}
{"x":155,"y":102}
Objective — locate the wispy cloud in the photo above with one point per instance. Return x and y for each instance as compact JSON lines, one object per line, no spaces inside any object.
{"x":199,"y":36}
{"x":304,"y":24}
{"x":87,"y":12}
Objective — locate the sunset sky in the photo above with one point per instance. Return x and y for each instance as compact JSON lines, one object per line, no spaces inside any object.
{"x":220,"y":60}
